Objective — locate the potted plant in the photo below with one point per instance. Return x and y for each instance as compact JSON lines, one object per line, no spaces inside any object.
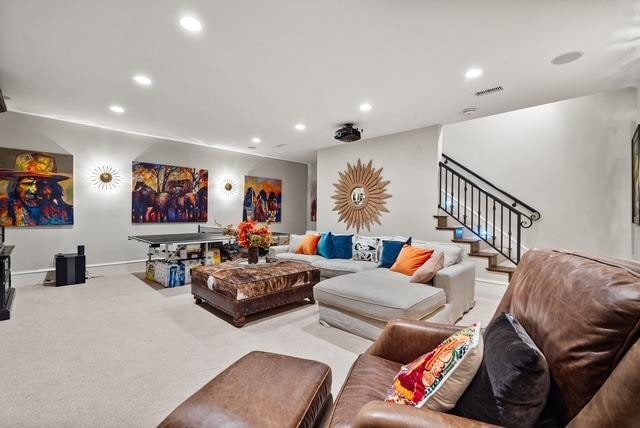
{"x":253,"y":237}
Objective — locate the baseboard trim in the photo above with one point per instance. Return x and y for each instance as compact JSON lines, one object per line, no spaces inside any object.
{"x":39,"y":276}
{"x":492,"y":282}
{"x":92,"y":265}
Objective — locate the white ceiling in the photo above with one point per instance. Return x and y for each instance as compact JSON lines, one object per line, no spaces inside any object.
{"x":259,"y":67}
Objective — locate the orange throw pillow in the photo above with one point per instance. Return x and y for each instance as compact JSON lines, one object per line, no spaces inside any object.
{"x":428,"y":270}
{"x":309,"y":245}
{"x":410,"y":259}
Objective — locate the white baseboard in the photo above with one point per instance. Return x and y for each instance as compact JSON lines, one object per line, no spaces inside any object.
{"x":492,"y":281}
{"x":39,"y":276}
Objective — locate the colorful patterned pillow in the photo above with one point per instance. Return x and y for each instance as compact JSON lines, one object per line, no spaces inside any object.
{"x":438,"y":379}
{"x":365,"y":248}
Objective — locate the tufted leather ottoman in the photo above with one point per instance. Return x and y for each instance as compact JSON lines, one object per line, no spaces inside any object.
{"x":259,"y":390}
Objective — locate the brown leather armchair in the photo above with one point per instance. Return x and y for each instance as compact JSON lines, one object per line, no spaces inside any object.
{"x":582,"y":312}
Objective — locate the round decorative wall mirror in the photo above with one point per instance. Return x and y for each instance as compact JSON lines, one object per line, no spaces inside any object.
{"x":360,"y":196}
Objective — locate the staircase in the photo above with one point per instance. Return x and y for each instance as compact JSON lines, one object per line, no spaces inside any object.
{"x":481,"y":215}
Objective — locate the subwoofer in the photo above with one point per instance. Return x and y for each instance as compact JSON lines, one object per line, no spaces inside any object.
{"x":71,"y":268}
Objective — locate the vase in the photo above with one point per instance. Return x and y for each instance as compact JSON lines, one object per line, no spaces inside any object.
{"x":254,"y":253}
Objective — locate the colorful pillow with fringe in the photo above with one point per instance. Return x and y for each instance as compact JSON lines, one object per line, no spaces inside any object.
{"x":438,"y":379}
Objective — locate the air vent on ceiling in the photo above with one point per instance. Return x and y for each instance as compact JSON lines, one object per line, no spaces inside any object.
{"x":489,"y":91}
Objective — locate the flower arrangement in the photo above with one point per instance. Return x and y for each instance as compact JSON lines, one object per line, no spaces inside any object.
{"x":227,"y":230}
{"x":250,"y":234}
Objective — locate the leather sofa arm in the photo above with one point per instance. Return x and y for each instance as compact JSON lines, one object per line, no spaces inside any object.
{"x":389,"y":415}
{"x":404,"y":340}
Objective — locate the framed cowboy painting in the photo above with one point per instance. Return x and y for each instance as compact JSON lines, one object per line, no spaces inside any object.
{"x":36,"y":188}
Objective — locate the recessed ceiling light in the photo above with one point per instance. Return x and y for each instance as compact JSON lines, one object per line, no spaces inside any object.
{"x":256,"y":140}
{"x":472,"y":73}
{"x":191,"y":24}
{"x":142,"y":79}
{"x":469,"y":111}
{"x":301,"y":126}
{"x":566,"y":58}
{"x":117,"y":109}
{"x":252,"y":147}
{"x":280,"y":145}
{"x":365,"y":107}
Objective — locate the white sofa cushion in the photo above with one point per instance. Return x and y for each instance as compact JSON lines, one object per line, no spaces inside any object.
{"x":344,"y":265}
{"x":452,"y":252}
{"x":295,"y":241}
{"x":299,"y":257}
{"x":379,"y":294}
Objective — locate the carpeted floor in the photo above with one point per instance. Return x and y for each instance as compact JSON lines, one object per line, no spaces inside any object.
{"x":116,"y":352}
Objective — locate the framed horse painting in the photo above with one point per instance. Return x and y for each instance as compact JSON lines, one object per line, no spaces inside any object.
{"x":262,"y":199}
{"x":168,"y":194}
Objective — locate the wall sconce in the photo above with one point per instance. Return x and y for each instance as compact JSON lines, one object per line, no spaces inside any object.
{"x":105,"y":177}
{"x":228,"y":187}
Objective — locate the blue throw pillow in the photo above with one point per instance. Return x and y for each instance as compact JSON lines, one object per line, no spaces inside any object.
{"x":390,"y":252}
{"x":342,"y":246}
{"x":325,"y":245}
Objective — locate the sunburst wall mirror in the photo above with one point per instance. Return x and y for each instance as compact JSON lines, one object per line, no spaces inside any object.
{"x":360,"y":196}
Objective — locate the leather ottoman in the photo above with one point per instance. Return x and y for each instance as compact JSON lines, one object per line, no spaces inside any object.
{"x":259,"y":390}
{"x":241,"y":289}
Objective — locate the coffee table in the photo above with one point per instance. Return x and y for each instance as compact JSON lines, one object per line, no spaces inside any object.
{"x":239,"y":289}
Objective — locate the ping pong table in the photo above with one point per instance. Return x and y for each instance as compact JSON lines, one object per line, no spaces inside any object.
{"x":168,"y":246}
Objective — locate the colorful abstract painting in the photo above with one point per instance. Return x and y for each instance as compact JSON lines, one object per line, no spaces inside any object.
{"x":168,"y":194}
{"x":36,"y":188}
{"x":262,"y":199}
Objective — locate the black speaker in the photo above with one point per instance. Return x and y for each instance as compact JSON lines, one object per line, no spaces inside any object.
{"x":71,"y":268}
{"x":81,"y":250}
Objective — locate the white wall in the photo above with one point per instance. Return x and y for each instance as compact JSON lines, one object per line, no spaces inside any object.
{"x":312,"y":187}
{"x":569,"y":159}
{"x":410,"y":162}
{"x":103,"y":220}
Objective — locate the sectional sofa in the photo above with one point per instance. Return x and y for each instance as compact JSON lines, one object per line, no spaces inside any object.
{"x":360,"y":297}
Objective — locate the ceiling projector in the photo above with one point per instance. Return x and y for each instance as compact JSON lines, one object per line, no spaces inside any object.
{"x":348,"y":134}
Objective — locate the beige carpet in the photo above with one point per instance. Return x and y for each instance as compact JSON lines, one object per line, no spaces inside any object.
{"x":117,"y":353}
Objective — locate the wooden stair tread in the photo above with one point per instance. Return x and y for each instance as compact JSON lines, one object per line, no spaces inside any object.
{"x":465,"y":240}
{"x":440,"y":216}
{"x":503,"y":269}
{"x":482,"y":254}
{"x":448,"y":228}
